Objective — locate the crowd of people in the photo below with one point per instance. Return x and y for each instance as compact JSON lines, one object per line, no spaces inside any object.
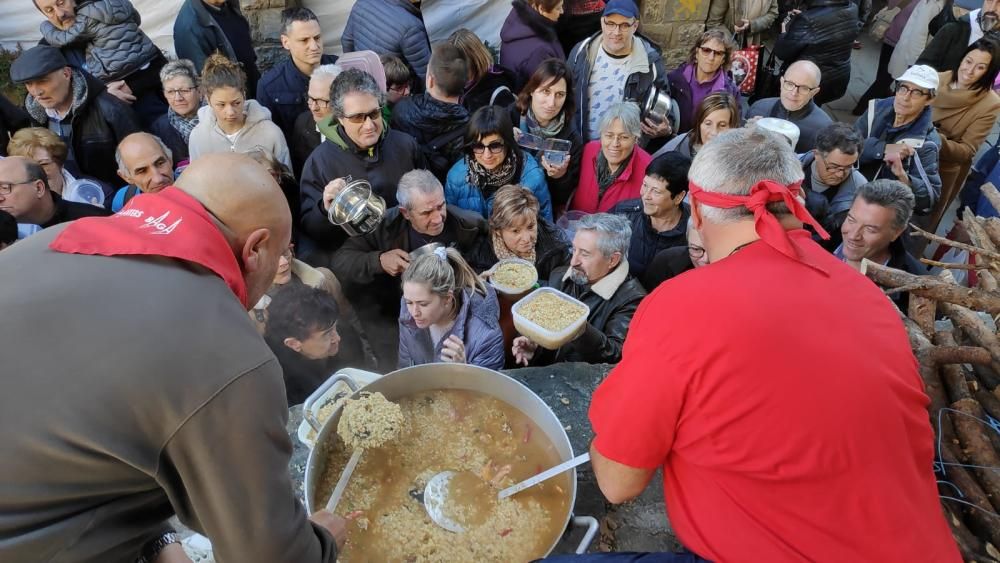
{"x":552,"y":152}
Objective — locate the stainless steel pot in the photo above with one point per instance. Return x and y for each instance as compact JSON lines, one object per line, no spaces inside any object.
{"x":408,"y":381}
{"x":661,"y":107}
{"x":357,"y":209}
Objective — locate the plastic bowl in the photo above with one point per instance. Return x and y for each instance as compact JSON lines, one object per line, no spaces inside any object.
{"x":544,"y":337}
{"x":508,"y":290}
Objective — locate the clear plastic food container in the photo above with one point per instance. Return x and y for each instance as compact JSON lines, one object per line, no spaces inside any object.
{"x":510,"y":290}
{"x":543,"y":336}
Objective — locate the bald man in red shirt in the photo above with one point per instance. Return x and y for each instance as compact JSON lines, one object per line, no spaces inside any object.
{"x":775,"y":387}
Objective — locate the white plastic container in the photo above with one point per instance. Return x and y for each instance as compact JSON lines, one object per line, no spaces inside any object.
{"x":544,"y":337}
{"x":507,"y":290}
{"x":331,"y":390}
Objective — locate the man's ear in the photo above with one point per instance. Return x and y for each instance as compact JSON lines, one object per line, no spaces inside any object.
{"x":616,"y":259}
{"x":123,"y":176}
{"x":255,"y":250}
{"x":405,"y":213}
{"x":293,"y":343}
{"x":696,"y":215}
{"x":284,"y":42}
{"x":429,"y":82}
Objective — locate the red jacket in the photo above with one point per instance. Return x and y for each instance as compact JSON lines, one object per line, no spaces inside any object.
{"x":625,"y":187}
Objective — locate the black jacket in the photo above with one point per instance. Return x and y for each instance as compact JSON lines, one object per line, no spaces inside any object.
{"x":900,"y":259}
{"x":665,"y":265}
{"x":559,"y":188}
{"x":439,"y":128}
{"x":170,"y":137}
{"x":552,"y":251}
{"x":12,"y":118}
{"x":283,"y":89}
{"x":99,"y":121}
{"x":823,"y":34}
{"x":496,"y":85}
{"x":946,"y":49}
{"x":607,"y":325}
{"x":394,"y":155}
{"x":646,"y":242}
{"x":67,"y":211}
{"x":303,"y":141}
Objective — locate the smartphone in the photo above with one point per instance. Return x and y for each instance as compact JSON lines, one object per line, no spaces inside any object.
{"x":912,"y":143}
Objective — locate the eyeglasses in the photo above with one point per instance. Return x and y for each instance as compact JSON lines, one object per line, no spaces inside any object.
{"x":907,"y":91}
{"x":695,"y":251}
{"x":399,"y":88}
{"x":375,"y":115}
{"x":790,"y":86}
{"x":178,"y":92}
{"x":496,"y":147}
{"x":710,"y":52}
{"x":838,"y":168}
{"x":7,"y":187}
{"x":620,"y":27}
{"x":620,"y":138}
{"x":320,"y":103}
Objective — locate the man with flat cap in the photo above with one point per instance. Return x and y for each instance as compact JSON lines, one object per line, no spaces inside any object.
{"x":159,"y":398}
{"x":77,"y":107}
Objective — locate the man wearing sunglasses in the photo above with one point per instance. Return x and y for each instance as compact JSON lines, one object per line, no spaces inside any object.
{"x":799,"y":85}
{"x":616,"y":65}
{"x":359,"y":145}
{"x":901,"y":142}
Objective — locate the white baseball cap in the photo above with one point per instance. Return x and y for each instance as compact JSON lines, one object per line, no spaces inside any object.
{"x":785,"y":128}
{"x":922,"y":76}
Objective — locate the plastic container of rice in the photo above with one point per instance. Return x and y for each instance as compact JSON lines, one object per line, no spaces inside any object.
{"x":549,"y":317}
{"x":514,"y":276}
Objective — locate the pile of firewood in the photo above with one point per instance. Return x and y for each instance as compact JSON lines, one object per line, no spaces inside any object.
{"x":960,"y":367}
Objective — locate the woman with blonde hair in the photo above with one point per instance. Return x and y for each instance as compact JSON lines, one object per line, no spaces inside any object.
{"x":489,"y":84}
{"x":518,"y":231}
{"x":49,"y":151}
{"x":718,"y":112}
{"x":448,"y":314}
{"x":231,"y":122}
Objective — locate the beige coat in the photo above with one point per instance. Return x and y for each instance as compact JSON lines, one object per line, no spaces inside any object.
{"x":761,"y":13}
{"x":963,"y":119}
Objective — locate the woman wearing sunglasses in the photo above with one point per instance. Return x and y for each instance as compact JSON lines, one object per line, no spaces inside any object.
{"x":705,"y":72}
{"x":493,"y":160}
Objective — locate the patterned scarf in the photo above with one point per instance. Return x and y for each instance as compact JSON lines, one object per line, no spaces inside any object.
{"x":489,"y":181}
{"x":547,"y":132}
{"x":605,"y":177}
{"x":502,"y":252}
{"x":182,"y":124}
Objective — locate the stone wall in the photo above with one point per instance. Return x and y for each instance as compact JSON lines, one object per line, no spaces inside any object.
{"x":265,"y":28}
{"x":674,"y":25}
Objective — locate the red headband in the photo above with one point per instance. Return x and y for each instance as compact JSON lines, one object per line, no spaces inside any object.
{"x":767,"y":225}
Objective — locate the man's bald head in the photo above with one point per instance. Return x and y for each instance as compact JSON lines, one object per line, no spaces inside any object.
{"x":799,"y":84}
{"x":254,"y":214}
{"x":145,"y":162}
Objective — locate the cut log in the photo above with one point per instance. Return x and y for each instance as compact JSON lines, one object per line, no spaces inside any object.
{"x":987,"y":281}
{"x":952,"y":375}
{"x":974,"y":329}
{"x":977,"y":233}
{"x":977,"y":447}
{"x":989,"y":402}
{"x":971,"y":548}
{"x":917,"y":231}
{"x":979,"y":519}
{"x":986,"y":376}
{"x":992,"y":228}
{"x":992,"y":195}
{"x":934,"y":288}
{"x":942,"y":355}
{"x":922,"y":310}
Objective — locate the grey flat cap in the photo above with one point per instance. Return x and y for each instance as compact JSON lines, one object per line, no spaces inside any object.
{"x":36,"y":62}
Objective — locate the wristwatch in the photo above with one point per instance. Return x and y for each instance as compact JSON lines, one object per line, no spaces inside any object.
{"x":153,"y":548}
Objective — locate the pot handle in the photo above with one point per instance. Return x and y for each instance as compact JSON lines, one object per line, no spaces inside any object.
{"x":307,"y":413}
{"x":591,"y":524}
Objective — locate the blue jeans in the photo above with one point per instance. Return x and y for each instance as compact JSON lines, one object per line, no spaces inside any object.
{"x":627,"y":557}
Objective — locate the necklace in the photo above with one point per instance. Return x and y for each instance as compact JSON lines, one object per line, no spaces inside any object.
{"x":742,"y":246}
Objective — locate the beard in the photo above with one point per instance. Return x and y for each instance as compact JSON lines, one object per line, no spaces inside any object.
{"x":577,"y":276}
{"x":988,"y":21}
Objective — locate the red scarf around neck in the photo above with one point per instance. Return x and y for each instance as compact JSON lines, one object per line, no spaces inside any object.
{"x":169,"y":223}
{"x":768,"y":226}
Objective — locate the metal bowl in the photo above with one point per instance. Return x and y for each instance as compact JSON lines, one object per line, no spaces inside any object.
{"x":357,"y":209}
{"x":661,"y":107}
{"x":424,"y":250}
{"x":428,"y":377}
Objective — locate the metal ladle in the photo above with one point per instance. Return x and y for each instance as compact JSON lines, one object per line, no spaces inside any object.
{"x":437,"y":492}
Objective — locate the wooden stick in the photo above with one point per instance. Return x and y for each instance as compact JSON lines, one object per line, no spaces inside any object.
{"x":951,"y":266}
{"x":935,"y":289}
{"x":922,"y":311}
{"x":991,"y":194}
{"x":974,"y":329}
{"x":917,"y":231}
{"x":987,"y":281}
{"x":952,"y":375}
{"x":968,"y":544}
{"x":977,"y":234}
{"x":985,"y":526}
{"x":992,"y":227}
{"x":942,"y":355}
{"x":977,"y":446}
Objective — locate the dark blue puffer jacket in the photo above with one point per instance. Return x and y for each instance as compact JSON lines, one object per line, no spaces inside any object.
{"x":389,"y":27}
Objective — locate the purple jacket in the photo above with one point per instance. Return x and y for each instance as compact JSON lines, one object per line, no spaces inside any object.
{"x":526,"y":39}
{"x":688,"y":98}
{"x":477,"y":326}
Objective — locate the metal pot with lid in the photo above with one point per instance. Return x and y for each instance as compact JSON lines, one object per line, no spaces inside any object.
{"x":416,"y":379}
{"x":357,"y":209}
